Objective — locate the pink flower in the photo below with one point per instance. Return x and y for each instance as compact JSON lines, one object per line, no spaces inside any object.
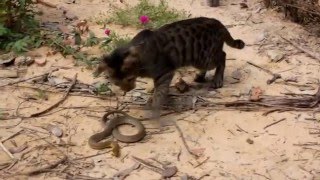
{"x":144,"y":19}
{"x":107,"y":32}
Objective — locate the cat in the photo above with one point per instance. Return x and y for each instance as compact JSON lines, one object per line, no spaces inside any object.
{"x":157,"y":53}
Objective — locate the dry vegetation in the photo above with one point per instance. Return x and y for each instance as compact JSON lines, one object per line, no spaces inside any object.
{"x":263,"y":124}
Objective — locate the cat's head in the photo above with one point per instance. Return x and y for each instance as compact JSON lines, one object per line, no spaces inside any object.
{"x":121,"y":66}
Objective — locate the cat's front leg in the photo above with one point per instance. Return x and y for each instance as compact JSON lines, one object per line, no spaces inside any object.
{"x":161,"y":91}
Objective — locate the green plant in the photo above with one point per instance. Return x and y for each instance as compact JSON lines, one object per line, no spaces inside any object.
{"x":113,"y":41}
{"x":103,"y":88}
{"x":159,"y":14}
{"x":19,"y":31}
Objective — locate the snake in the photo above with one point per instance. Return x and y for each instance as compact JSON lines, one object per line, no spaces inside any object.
{"x":111,"y":129}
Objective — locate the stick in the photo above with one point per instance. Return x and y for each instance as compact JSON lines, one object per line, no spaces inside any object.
{"x":44,"y":168}
{"x":267,"y":126}
{"x":275,"y":76}
{"x":26,"y":79}
{"x":11,"y":136}
{"x":60,"y":101}
{"x":202,"y":162}
{"x":6,"y":150}
{"x":184,"y":141}
{"x":46,"y":4}
{"x":126,"y":172}
{"x":312,"y":54}
{"x":148,"y":165}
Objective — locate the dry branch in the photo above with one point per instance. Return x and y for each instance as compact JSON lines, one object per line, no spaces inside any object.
{"x":184,"y":141}
{"x":44,"y":168}
{"x":29,"y":78}
{"x":312,"y":54}
{"x":60,"y":101}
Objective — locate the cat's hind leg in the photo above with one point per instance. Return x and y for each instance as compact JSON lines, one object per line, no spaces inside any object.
{"x":220,"y":59}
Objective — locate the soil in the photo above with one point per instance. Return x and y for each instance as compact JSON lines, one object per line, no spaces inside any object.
{"x":233,"y":144}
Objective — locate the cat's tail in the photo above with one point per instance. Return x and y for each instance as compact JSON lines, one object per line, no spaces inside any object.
{"x":235,"y":43}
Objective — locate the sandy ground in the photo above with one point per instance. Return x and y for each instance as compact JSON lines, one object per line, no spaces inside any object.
{"x":286,"y":150}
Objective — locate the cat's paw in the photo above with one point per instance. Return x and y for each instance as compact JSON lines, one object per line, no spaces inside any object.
{"x":216,"y":83}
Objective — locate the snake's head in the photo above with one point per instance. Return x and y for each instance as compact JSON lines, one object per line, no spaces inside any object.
{"x":115,"y":149}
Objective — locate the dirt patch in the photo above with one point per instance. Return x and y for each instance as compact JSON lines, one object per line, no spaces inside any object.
{"x":232,"y":144}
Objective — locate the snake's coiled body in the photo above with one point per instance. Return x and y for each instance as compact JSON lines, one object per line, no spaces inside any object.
{"x":111,"y":129}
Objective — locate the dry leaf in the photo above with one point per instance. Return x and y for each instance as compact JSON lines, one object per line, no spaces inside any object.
{"x":236,"y":74}
{"x":55,"y":130}
{"x":255,"y":93}
{"x":243,"y":5}
{"x":198,"y":151}
{"x":19,"y":149}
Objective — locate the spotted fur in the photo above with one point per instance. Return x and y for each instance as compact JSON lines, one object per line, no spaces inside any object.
{"x":156,"y":54}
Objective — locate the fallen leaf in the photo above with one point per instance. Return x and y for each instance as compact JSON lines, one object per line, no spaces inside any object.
{"x":55,"y":130}
{"x":198,"y":151}
{"x":249,"y":141}
{"x":236,"y":74}
{"x":169,"y":171}
{"x":243,"y":5}
{"x":255,"y":94}
{"x":41,"y":61}
{"x":275,"y":55}
{"x":18,"y":149}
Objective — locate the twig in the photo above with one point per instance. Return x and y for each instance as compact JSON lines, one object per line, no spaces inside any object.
{"x":184,"y":141}
{"x":262,"y":175}
{"x":242,"y":129}
{"x":46,"y":4}
{"x":11,"y":136}
{"x":147,"y":164}
{"x":202,"y":162}
{"x":60,"y":101}
{"x":312,"y":54}
{"x":44,"y":168}
{"x":275,"y":76}
{"x":86,"y":157}
{"x":26,"y":79}
{"x":267,"y":126}
{"x":126,"y":172}
{"x":6,"y":150}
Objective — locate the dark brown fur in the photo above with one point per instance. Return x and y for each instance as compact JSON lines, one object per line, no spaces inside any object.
{"x":156,"y":54}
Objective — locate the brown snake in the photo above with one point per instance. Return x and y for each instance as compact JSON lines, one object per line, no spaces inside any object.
{"x":111,"y":129}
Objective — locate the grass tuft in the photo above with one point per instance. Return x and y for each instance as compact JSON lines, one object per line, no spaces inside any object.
{"x":159,"y":14}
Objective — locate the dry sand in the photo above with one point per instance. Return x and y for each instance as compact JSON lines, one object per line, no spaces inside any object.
{"x":221,"y":136}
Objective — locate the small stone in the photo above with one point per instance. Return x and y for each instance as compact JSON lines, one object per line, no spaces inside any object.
{"x":41,"y":61}
{"x":8,"y":73}
{"x":275,"y":55}
{"x":250,"y":141}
